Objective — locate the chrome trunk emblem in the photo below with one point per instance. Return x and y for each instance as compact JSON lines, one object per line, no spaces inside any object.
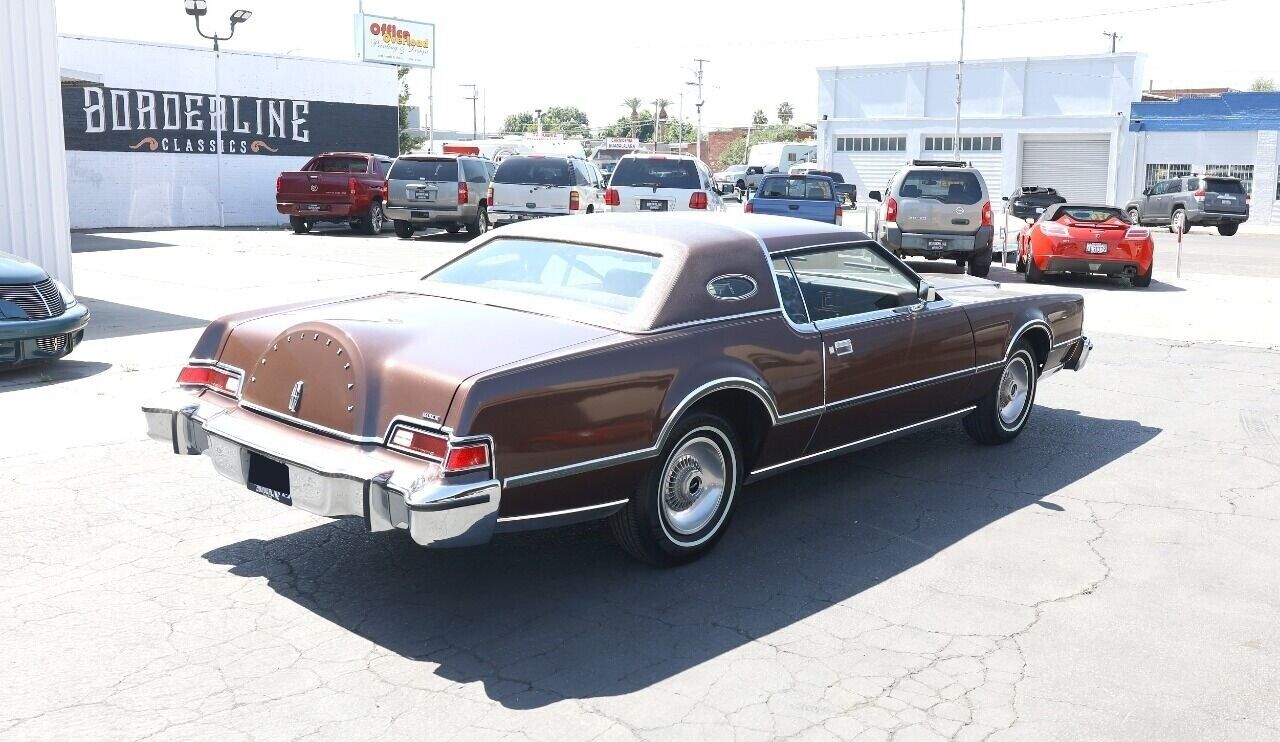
{"x":295,"y":397}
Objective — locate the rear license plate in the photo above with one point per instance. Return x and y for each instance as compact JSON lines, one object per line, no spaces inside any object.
{"x":420,"y":214}
{"x":420,"y":196}
{"x":936,"y":244}
{"x":269,"y":478}
{"x":1095,"y":247}
{"x":315,"y":207}
{"x":652,"y":204}
{"x":1039,"y":209}
{"x":1232,"y":199}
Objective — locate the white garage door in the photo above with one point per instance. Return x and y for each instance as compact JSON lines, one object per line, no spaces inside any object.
{"x":991,"y":165}
{"x":869,"y":171}
{"x":1078,"y":168}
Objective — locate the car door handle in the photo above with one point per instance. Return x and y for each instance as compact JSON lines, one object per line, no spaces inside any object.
{"x":841,"y":347}
{"x":793,"y":207}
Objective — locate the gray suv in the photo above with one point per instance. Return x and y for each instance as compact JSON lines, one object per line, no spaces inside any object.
{"x":937,"y":209}
{"x":1193,"y":200}
{"x":443,"y":191}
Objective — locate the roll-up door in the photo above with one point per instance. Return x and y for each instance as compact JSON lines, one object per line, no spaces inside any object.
{"x":1078,"y":167}
{"x":991,"y":165}
{"x":870,"y":171}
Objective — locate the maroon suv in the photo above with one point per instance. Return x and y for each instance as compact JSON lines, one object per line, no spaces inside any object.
{"x":335,"y":187}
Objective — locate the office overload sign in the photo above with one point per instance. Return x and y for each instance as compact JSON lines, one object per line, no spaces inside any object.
{"x":102,"y":119}
{"x":396,"y":41}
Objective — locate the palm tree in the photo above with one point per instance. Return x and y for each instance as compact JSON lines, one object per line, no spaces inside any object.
{"x":785,"y":112}
{"x":660,"y":104}
{"x":634,"y":105}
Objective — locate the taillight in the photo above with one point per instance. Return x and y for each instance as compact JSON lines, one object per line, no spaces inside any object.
{"x":209,"y":377}
{"x":1137,"y":233}
{"x":747,"y":208}
{"x":1199,"y":195}
{"x":351,"y":186}
{"x":987,"y":214}
{"x":839,"y":216}
{"x":1054,"y":229}
{"x":464,"y":194}
{"x":574,"y":202}
{"x":891,"y":210}
{"x":386,"y":188}
{"x":698,"y":200}
{"x":453,"y":457}
{"x":611,"y":197}
{"x":279,"y":184}
{"x":488,"y":196}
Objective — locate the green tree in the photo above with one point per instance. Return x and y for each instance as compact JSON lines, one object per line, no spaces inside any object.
{"x":641,"y":127}
{"x":736,"y":152}
{"x":661,"y":104}
{"x":408,"y":142}
{"x":759,"y":118}
{"x":634,"y":117}
{"x":1263,"y":85}
{"x":519,"y":123}
{"x":785,"y":112}
{"x":567,"y":120}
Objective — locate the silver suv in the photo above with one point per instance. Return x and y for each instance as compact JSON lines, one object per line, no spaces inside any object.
{"x":938,"y":209}
{"x":443,"y":191}
{"x":1208,"y":201}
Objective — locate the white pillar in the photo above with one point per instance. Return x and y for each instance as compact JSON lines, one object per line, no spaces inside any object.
{"x":34,"y":222}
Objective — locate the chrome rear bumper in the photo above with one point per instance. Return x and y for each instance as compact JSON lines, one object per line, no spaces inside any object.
{"x":1078,"y":356}
{"x":330,"y":477}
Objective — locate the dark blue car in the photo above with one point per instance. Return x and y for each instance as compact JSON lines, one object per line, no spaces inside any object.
{"x":40,"y":320}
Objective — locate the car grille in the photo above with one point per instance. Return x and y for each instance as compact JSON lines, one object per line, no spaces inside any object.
{"x":38,"y":300}
{"x":55,"y":344}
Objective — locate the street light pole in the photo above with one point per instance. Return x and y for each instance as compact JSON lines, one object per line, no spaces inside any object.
{"x":955,"y":142}
{"x":217,"y":111}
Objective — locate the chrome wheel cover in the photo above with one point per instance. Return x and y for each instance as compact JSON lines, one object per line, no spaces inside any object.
{"x":1015,"y":392}
{"x":692,"y":485}
{"x":376,"y":216}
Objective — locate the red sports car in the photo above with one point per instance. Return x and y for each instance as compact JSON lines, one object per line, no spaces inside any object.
{"x":1074,"y":238}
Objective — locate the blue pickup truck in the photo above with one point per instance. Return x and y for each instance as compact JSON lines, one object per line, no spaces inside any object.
{"x":803,"y":196}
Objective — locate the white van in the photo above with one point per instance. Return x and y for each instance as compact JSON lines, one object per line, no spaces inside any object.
{"x":778,"y":157}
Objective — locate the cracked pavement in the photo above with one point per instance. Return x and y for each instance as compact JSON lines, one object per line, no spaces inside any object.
{"x":1112,"y":574}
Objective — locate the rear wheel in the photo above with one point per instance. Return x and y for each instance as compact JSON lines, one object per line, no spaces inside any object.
{"x":481,"y":224}
{"x":980,"y":264}
{"x":1179,"y":222}
{"x":1034,"y":274}
{"x":453,"y":228}
{"x":1002,"y":413}
{"x":373,"y":219}
{"x":683,"y":503}
{"x":1229,"y":229}
{"x":299,"y":225}
{"x":1143,"y":280}
{"x":404,"y":230}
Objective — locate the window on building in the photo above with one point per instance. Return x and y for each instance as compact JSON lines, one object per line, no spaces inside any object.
{"x":871,"y":144}
{"x":1243,"y":172}
{"x":967,"y":144}
{"x":1165,"y":171}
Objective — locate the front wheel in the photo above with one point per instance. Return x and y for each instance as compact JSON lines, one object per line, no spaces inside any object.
{"x":683,"y":502}
{"x":1134,"y":219}
{"x":1002,"y":413}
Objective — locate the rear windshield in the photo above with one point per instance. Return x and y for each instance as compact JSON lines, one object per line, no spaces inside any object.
{"x":533,"y":171}
{"x":656,"y":172}
{"x":947,"y":186}
{"x":1223,"y":185}
{"x":341,"y":165}
{"x":807,"y":189}
{"x":432,"y":171}
{"x":597,"y":276}
{"x":1089,"y":213}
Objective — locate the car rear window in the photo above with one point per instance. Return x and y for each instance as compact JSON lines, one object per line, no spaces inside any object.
{"x":806,"y":189}
{"x":1089,"y":213}
{"x":432,"y":171}
{"x":658,"y":172}
{"x":946,"y":186}
{"x":341,"y":165}
{"x":534,"y":171}
{"x":601,"y":277}
{"x":1224,"y":185}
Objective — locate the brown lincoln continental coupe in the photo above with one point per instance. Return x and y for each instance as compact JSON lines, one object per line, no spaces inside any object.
{"x":639,"y":368}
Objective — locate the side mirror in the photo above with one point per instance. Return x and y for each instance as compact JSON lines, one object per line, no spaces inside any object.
{"x":927,"y":292}
{"x":874,"y":195}
{"x":1146,"y":191}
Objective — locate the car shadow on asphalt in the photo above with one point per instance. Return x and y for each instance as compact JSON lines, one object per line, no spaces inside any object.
{"x":111,"y":320}
{"x":544,"y":616}
{"x":46,"y":374}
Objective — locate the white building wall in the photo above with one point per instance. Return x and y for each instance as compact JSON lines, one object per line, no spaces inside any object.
{"x":33,"y":221}
{"x":130,"y":189}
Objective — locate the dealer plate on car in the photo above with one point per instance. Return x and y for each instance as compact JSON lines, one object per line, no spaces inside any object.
{"x":416,"y":214}
{"x":269,"y":478}
{"x":315,"y":207}
{"x":653,"y":204}
{"x":1095,"y":247}
{"x":936,"y":244}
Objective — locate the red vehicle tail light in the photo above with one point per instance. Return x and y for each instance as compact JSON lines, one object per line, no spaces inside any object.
{"x":698,"y":200}
{"x":747,"y":208}
{"x":891,"y":210}
{"x":987,"y":216}
{"x":488,"y":196}
{"x":279,"y":184}
{"x":1054,"y":229}
{"x":1199,"y":195}
{"x":574,"y":201}
{"x":1137,"y":233}
{"x":351,"y":186}
{"x":386,"y":187}
{"x":452,"y":457}
{"x":839,"y":216}
{"x":464,"y":194}
{"x":611,"y":197}
{"x":209,"y":377}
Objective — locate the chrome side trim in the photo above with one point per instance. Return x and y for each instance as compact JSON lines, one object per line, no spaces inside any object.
{"x":1015,"y":337}
{"x":543,"y":475}
{"x":557,"y":513}
{"x":855,"y":445}
{"x":710,"y":320}
{"x":1057,"y":345}
{"x":310,"y":425}
{"x":909,"y":385}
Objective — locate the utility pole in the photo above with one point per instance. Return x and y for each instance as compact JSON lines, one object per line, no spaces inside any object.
{"x":473,"y":98}
{"x":1114,"y":37}
{"x":537,"y":114}
{"x":955,"y":142}
{"x":698,"y":104}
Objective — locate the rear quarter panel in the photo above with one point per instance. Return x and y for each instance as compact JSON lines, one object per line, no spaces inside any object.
{"x":1000,"y":322}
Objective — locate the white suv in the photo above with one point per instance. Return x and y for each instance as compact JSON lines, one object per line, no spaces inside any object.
{"x":645,"y":182}
{"x":531,"y":186}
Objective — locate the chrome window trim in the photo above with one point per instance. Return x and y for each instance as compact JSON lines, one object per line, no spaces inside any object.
{"x":709,"y":320}
{"x":556,"y":513}
{"x":755,"y":287}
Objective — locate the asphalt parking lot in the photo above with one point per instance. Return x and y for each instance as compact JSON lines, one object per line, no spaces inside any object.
{"x":1113,"y":574}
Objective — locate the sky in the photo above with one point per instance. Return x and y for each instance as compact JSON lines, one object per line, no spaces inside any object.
{"x":526,"y":55}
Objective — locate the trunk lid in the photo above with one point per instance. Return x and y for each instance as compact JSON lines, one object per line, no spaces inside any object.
{"x":350,"y":367}
{"x":639,"y":198}
{"x":531,"y":199}
{"x":426,"y":182}
{"x":316,"y":188}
